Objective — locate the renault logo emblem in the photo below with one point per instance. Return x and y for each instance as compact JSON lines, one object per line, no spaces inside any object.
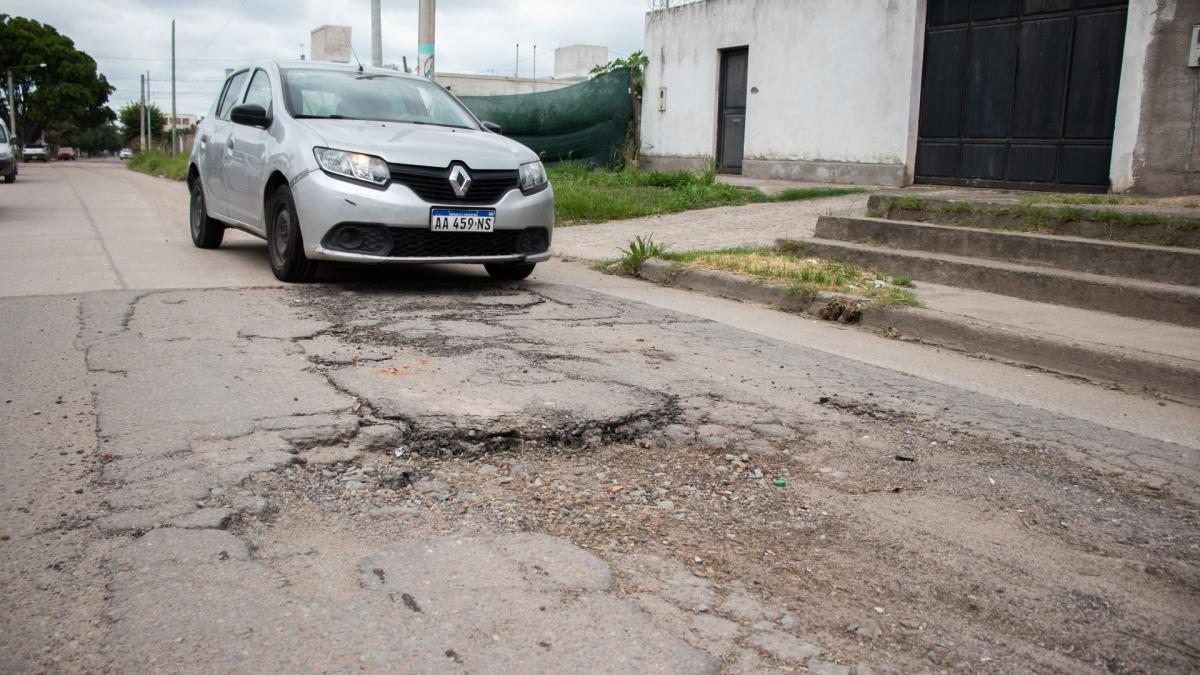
{"x":460,"y":180}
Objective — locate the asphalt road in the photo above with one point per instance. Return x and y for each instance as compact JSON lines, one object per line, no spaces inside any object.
{"x":201,"y":473}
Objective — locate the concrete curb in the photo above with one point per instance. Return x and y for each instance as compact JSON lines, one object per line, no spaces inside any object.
{"x":1170,"y":376}
{"x":736,"y":287}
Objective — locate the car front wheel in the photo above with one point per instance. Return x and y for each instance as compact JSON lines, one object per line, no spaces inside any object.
{"x":510,"y":271}
{"x":285,"y":246}
{"x":206,"y":232}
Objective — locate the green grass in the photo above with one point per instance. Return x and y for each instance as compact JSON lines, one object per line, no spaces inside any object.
{"x":158,"y":163}
{"x":804,"y":276}
{"x":583,"y":195}
{"x":639,"y":251}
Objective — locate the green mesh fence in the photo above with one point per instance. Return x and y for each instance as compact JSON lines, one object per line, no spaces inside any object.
{"x":586,"y":121}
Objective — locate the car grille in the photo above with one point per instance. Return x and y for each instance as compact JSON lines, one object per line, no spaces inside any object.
{"x":422,"y":243}
{"x":433,"y":185}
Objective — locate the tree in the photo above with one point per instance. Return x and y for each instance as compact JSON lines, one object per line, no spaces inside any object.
{"x":64,"y":95}
{"x":104,"y":137}
{"x":635,"y":62}
{"x":131,"y":127}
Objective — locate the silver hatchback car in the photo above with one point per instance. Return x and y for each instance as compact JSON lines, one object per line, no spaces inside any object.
{"x":332,"y":162}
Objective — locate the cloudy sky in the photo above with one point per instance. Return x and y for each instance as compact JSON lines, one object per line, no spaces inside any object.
{"x":128,"y":37}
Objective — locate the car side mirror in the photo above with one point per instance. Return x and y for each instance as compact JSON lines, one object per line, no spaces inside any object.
{"x":493,"y":127}
{"x":250,"y":114}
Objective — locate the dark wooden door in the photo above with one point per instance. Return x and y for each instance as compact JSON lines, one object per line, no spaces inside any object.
{"x":731,"y":130}
{"x":1020,"y":93}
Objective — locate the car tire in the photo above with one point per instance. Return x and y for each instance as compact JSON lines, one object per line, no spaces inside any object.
{"x":510,"y":271}
{"x":285,"y":244}
{"x":207,"y":232}
{"x":12,"y":177}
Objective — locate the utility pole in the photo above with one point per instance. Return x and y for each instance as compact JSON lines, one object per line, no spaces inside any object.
{"x":428,"y":10}
{"x":376,"y":36}
{"x":142,"y":113}
{"x":12,"y":106}
{"x":149,"y":118}
{"x":535,"y":63}
{"x":517,"y":63}
{"x":174,"y":117}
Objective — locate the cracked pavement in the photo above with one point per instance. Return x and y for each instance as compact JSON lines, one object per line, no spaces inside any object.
{"x":443,"y":473}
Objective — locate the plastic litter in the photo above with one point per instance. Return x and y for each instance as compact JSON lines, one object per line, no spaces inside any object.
{"x":779,"y":482}
{"x":400,"y":451}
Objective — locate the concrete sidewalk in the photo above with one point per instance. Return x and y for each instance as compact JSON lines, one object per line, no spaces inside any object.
{"x":1096,"y":345}
{"x":721,"y":227}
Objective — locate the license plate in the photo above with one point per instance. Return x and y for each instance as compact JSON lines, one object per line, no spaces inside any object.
{"x":462,"y":220}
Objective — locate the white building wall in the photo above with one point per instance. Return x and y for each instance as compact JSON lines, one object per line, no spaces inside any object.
{"x":837,"y":84}
{"x":466,"y":84}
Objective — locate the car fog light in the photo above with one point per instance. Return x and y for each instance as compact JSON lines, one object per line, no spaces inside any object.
{"x":350,"y":237}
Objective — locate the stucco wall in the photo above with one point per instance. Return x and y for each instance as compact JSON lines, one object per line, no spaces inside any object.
{"x":836,"y":80}
{"x":1156,"y":150}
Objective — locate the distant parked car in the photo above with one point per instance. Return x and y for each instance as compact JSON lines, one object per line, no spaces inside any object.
{"x":126,"y":153}
{"x":8,"y":162}
{"x":330,"y":162}
{"x":35,"y":151}
{"x":66,"y":153}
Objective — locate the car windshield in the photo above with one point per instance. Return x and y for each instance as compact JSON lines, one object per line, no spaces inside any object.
{"x":338,"y":94}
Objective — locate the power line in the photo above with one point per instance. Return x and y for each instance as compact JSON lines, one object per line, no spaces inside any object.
{"x":214,"y":36}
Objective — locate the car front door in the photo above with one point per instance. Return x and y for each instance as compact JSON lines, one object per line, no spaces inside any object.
{"x":246,"y":160}
{"x":214,"y":142}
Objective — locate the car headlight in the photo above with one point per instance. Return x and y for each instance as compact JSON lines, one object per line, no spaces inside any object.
{"x":356,"y":165}
{"x":533,"y":178}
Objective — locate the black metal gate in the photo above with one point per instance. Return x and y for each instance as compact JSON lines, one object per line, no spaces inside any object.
{"x":731,"y":130}
{"x":1020,"y":93}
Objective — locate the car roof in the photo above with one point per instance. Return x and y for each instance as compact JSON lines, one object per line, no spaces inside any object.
{"x":326,"y":65}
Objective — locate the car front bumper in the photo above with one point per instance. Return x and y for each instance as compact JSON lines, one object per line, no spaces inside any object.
{"x":324,"y":203}
{"x":7,"y":166}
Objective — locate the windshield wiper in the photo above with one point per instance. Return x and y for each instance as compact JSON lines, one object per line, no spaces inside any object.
{"x":433,"y":124}
{"x":325,"y":117}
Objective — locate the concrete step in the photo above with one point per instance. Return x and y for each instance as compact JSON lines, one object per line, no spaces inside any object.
{"x":1111,"y":350}
{"x":1144,"y":224}
{"x":1126,"y":297}
{"x":1165,"y":264}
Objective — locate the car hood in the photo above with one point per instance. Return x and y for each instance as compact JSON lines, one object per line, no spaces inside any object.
{"x":422,"y":145}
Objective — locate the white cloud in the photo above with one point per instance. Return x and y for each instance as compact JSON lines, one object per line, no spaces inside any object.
{"x":130,"y":37}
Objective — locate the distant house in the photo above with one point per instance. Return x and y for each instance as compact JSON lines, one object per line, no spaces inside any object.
{"x":1080,"y":95}
{"x":182,"y":122}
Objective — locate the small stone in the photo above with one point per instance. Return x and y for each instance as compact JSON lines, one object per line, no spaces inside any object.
{"x":665,"y":504}
{"x":431,"y":486}
{"x":217,"y":492}
{"x":353,"y":486}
